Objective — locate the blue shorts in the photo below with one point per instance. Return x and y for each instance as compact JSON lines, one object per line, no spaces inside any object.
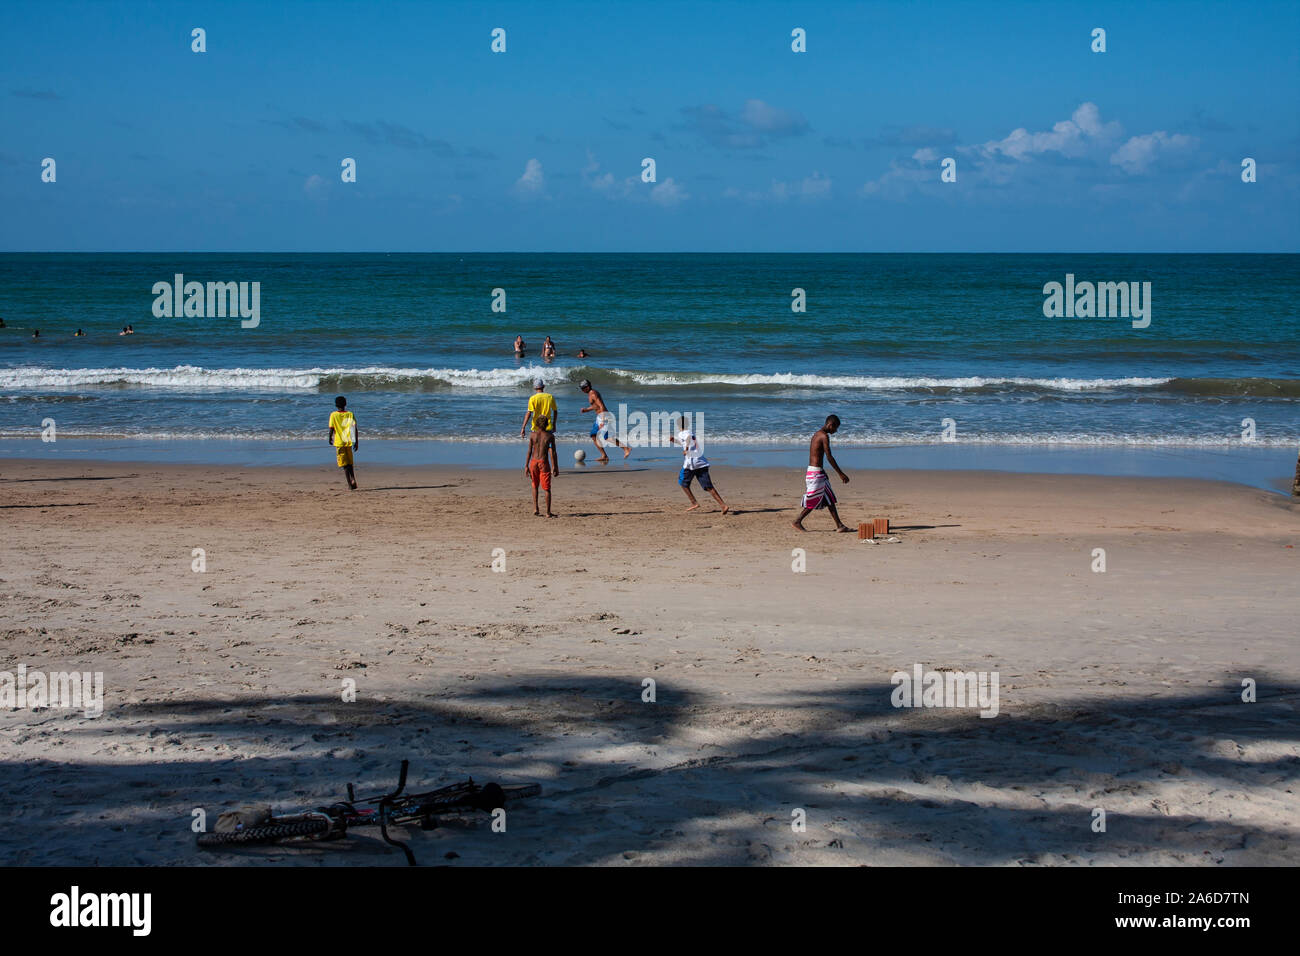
{"x":684,"y":479}
{"x":595,"y":428}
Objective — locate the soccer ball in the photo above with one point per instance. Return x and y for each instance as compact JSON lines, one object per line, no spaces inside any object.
{"x":579,"y":455}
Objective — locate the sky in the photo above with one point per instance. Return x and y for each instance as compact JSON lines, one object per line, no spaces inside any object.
{"x":756,"y":147}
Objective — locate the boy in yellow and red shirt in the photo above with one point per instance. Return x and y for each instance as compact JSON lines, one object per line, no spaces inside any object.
{"x":343,"y":436}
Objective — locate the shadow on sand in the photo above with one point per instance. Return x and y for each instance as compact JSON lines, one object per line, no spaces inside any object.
{"x":622,"y":777}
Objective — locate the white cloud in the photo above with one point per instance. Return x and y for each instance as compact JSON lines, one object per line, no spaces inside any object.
{"x":668,"y":193}
{"x":904,"y":176}
{"x":1076,"y":149}
{"x":533,"y":181}
{"x":1072,"y":137}
{"x":769,"y":119}
{"x":605,"y":183}
{"x":757,"y":124}
{"x":816,"y":186}
{"x":1137,"y":155}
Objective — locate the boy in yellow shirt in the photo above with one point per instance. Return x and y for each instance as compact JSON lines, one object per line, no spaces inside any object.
{"x":343,"y":436}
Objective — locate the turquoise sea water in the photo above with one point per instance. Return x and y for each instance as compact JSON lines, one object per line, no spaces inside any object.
{"x":893,"y":344}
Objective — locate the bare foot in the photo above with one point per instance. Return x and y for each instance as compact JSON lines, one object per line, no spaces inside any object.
{"x":549,"y":515}
{"x":627,"y":450}
{"x":603,"y":459}
{"x":843,"y":529}
{"x":725,"y":509}
{"x":693,"y":507}
{"x":537,"y":514}
{"x":797,"y":526}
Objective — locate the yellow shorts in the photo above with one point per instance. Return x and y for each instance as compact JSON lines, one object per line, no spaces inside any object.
{"x":345,"y":455}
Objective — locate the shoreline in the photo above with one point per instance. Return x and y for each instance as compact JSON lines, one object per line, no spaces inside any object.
{"x":1271,"y":468}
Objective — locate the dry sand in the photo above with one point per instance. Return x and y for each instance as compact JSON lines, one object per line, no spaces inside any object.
{"x":1118,"y":690}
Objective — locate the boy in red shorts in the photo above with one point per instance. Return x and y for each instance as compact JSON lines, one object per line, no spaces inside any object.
{"x":541,"y":445}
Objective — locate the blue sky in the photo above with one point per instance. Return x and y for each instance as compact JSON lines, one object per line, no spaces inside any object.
{"x":757,"y":148}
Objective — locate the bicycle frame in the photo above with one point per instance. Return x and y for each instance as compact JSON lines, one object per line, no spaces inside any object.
{"x":386,"y":802}
{"x":395,"y":808}
{"x":390,"y":808}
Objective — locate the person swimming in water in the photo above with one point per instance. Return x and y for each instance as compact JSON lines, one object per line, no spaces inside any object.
{"x":548,"y":349}
{"x":77,"y":333}
{"x":582,"y":353}
{"x":520,"y":347}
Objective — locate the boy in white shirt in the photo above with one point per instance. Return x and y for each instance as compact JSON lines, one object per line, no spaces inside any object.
{"x":695,"y":465}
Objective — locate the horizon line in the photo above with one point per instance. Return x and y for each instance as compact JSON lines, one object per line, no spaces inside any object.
{"x":593,"y":252}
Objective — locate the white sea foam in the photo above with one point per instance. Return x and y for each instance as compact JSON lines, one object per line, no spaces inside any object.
{"x":180,"y":377}
{"x":885,"y":383}
{"x":375,"y":377}
{"x":193,"y":376}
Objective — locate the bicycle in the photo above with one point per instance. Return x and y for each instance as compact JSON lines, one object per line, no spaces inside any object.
{"x":392,"y":809}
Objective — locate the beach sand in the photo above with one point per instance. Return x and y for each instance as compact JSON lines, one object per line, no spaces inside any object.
{"x":1119,"y":691}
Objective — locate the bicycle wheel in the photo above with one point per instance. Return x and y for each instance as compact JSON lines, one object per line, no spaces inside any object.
{"x":521,"y":791}
{"x":493,"y":795}
{"x":282,"y":829}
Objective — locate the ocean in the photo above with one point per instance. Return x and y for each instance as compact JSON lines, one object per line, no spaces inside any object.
{"x":911,"y":351}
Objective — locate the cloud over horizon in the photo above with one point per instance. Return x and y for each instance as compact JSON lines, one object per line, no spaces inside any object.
{"x":756,"y":125}
{"x":1092,"y":147}
{"x":532,"y":184}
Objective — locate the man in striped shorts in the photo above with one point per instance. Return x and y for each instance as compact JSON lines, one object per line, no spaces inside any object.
{"x":817,"y":491}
